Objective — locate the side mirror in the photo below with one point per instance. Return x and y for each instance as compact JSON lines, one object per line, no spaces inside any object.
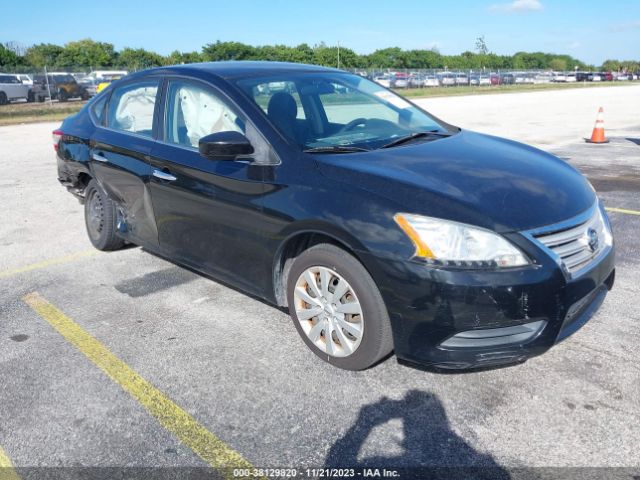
{"x":224,"y":146}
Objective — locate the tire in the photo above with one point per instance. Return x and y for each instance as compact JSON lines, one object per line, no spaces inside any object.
{"x":40,"y":99}
{"x":3,"y":98}
{"x":31,"y":97}
{"x":374,"y":341}
{"x":100,"y":219}
{"x":62,"y":96}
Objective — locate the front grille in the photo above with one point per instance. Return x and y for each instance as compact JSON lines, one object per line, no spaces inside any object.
{"x":576,"y":243}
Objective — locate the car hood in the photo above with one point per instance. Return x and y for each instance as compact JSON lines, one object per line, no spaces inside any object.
{"x":471,"y":178}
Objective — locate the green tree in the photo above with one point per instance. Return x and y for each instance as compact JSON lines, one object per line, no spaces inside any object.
{"x":219,"y":51}
{"x":138,"y":59}
{"x":558,"y":64}
{"x":43,"y":54}
{"x":611,"y":65}
{"x":87,"y":53}
{"x":177,"y":58}
{"x":7,"y":57}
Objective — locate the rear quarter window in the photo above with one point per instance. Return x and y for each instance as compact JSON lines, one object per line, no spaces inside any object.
{"x":97,"y":109}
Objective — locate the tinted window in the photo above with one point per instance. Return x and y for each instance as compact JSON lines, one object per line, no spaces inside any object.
{"x":194,"y":111}
{"x":131,"y":107}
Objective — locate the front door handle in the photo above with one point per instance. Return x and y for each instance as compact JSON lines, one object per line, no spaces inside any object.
{"x":164,"y":176}
{"x":99,"y":157}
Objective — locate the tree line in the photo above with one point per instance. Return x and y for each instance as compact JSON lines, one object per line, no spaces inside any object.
{"x":94,"y":54}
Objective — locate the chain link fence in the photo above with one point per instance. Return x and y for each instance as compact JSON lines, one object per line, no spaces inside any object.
{"x":426,"y":78}
{"x":48,"y":84}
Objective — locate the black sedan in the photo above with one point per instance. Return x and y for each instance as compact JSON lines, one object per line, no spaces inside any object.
{"x":380,"y":227}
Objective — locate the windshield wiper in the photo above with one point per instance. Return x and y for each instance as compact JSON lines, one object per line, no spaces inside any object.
{"x":336,"y":149}
{"x":415,"y":135}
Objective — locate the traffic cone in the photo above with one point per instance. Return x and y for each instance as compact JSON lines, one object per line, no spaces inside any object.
{"x":598,"y":130}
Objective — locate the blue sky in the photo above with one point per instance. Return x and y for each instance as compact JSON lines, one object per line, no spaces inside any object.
{"x":590,"y":30}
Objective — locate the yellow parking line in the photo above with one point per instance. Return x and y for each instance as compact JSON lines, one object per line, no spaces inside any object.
{"x":186,"y":428}
{"x":7,"y":471}
{"x":622,"y":210}
{"x":48,"y":263}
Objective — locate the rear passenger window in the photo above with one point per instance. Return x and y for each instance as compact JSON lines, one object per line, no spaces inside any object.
{"x":131,"y":107}
{"x":194,"y":111}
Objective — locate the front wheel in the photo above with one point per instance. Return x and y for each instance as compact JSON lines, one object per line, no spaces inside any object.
{"x":62,"y":96}
{"x":100,"y":219}
{"x":337,"y":308}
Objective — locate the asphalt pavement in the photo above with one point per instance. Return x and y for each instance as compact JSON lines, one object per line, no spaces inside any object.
{"x":234,"y":370}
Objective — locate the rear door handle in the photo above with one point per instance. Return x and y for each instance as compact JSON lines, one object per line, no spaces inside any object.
{"x":164,"y":176}
{"x":99,"y":157}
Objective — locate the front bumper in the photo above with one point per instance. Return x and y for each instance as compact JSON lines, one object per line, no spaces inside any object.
{"x":471,"y":319}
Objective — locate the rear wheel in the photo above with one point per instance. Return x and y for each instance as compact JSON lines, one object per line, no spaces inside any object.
{"x":100,"y":219}
{"x":3,"y":98}
{"x":337,"y":308}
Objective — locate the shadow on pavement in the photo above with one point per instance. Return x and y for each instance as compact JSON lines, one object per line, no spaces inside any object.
{"x":431,"y":450}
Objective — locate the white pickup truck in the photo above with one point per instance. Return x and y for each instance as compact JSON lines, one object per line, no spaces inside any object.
{"x":11,"y":88}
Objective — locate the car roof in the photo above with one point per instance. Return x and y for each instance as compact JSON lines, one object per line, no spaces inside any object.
{"x":238,"y":69}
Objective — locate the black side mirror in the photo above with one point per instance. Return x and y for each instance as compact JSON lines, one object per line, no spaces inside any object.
{"x":224,"y":146}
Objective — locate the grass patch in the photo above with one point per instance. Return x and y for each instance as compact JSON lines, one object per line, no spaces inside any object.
{"x":489,"y":89}
{"x":16,"y":113}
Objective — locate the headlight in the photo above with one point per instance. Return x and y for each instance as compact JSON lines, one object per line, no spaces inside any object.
{"x":456,"y":244}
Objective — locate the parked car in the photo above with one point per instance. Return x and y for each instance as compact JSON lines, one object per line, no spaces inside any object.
{"x":570,"y":77}
{"x":607,"y":76}
{"x":594,"y":77}
{"x":431,"y":81}
{"x":66,"y":87}
{"x":496,"y":79}
{"x":383,"y":80}
{"x":543,"y":77}
{"x":91,"y":81}
{"x":11,"y":88}
{"x":507,"y":79}
{"x":107,"y":81}
{"x":416,"y":81}
{"x":25,"y":79}
{"x":474,"y":80}
{"x":40,"y":90}
{"x":363,"y":227}
{"x":447,"y":79}
{"x":462,"y":79}
{"x":624,"y":76}
{"x":400,"y":80}
{"x":520,"y":78}
{"x":558,"y":77}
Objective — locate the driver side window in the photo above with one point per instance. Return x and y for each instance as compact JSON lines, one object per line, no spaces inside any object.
{"x":194,"y":111}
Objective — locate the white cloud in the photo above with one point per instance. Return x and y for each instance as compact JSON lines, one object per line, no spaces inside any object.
{"x":517,"y":6}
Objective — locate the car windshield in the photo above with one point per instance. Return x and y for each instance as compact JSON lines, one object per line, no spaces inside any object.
{"x":335,"y":111}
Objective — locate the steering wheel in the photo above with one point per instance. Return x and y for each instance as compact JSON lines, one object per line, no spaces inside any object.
{"x":353,"y":124}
